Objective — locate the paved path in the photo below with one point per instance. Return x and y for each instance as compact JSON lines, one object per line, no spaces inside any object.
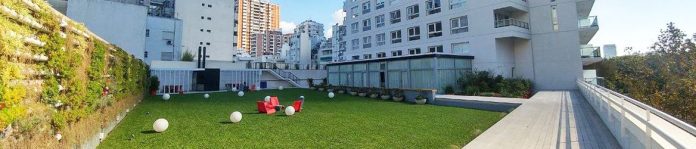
{"x":550,"y":119}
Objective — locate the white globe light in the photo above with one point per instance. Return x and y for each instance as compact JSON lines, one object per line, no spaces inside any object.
{"x":166,"y":96}
{"x":59,"y":136}
{"x":234,"y":89}
{"x":301,"y":97}
{"x":160,"y":125}
{"x":206,"y":96}
{"x":280,"y":88}
{"x":240,"y":94}
{"x":267,"y":98}
{"x":236,"y":117}
{"x":289,"y":111}
{"x":331,"y":95}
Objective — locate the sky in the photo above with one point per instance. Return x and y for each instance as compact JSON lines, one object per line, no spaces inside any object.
{"x":626,"y":23}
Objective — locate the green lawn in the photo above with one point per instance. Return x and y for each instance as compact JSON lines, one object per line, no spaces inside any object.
{"x":343,"y":122}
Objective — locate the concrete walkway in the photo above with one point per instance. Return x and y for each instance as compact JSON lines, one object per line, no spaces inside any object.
{"x":550,"y":119}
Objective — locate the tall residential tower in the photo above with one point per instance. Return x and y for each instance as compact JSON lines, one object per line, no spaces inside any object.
{"x":255,"y":16}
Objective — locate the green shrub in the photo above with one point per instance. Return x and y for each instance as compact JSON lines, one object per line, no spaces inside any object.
{"x":187,"y":56}
{"x":483,"y":83}
{"x":449,"y":89}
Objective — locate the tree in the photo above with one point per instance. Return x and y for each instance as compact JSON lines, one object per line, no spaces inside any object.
{"x":187,"y":56}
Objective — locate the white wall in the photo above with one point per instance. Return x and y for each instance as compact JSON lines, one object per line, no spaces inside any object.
{"x":161,"y":30}
{"x":120,"y":24}
{"x":221,"y":37}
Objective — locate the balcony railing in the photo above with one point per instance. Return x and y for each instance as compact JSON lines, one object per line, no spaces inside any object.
{"x":634,"y":123}
{"x":588,"y":22}
{"x":511,"y":22}
{"x":590,"y":52}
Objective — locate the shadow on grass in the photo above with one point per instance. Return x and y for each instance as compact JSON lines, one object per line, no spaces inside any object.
{"x":148,"y":132}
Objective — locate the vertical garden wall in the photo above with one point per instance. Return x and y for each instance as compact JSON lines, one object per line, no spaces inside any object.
{"x":56,"y":77}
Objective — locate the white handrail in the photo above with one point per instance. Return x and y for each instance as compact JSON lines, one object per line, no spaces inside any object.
{"x":670,"y":131}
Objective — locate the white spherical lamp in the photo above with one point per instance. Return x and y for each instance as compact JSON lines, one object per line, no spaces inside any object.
{"x":160,"y":125}
{"x":236,"y":117}
{"x":280,"y":88}
{"x":240,"y":93}
{"x":331,"y":95}
{"x":166,"y":96}
{"x":302,"y":97}
{"x":234,"y":89}
{"x":206,"y":96}
{"x":289,"y":111}
{"x":59,"y":136}
{"x":267,"y":98}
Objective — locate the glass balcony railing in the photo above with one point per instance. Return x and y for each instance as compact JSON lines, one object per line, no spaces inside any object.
{"x":588,"y":22}
{"x":587,"y":51}
{"x":511,"y":22}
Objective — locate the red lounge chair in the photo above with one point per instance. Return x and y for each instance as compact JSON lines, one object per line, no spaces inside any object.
{"x":265,"y":107}
{"x":274,"y":101}
{"x":298,"y":105}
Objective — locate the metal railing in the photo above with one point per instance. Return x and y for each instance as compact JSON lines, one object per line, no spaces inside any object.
{"x":590,"y":52}
{"x":286,"y":74}
{"x":637,"y":125}
{"x":511,"y":22}
{"x":588,"y":22}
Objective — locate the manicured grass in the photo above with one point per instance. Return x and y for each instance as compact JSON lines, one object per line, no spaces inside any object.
{"x":343,"y":122}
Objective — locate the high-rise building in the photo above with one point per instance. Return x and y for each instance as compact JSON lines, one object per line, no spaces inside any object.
{"x":255,"y":16}
{"x":266,"y":43}
{"x":325,"y":52}
{"x":609,"y":51}
{"x":209,"y":29}
{"x":306,"y":42}
{"x":406,"y":40}
{"x":339,"y":43}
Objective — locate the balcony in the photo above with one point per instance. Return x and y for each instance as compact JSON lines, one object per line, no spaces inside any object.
{"x":584,"y":7}
{"x":588,"y":28}
{"x":590,"y":54}
{"x":511,"y":22}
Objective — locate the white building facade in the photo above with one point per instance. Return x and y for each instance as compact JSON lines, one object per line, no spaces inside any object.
{"x":538,"y":40}
{"x":163,"y":39}
{"x":306,"y":42}
{"x":208,"y":28}
{"x":609,"y":51}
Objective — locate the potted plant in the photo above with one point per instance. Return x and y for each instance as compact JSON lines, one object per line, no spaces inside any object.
{"x":420,"y":99}
{"x":362,"y":92}
{"x":374,"y":93}
{"x":353,"y":91}
{"x":321,"y":87}
{"x":154,"y":85}
{"x":398,"y":95}
{"x":385,"y":94}
{"x":330,"y":88}
{"x":340,"y":89}
{"x":310,"y":83}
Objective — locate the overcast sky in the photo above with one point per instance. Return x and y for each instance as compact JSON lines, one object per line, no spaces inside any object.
{"x":634,"y":23}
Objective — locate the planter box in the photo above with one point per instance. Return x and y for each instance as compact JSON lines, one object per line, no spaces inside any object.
{"x":385,"y":97}
{"x":362,"y":94}
{"x":374,"y":95}
{"x":341,"y":92}
{"x":411,"y":94}
{"x":421,"y":101}
{"x":353,"y":93}
{"x":398,"y":99}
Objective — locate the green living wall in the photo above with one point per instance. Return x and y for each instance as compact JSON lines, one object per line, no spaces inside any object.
{"x":54,"y":73}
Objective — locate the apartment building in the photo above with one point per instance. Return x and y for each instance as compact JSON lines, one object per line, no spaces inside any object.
{"x":325,"y":54}
{"x":398,"y":43}
{"x":208,"y":29}
{"x":339,"y":43}
{"x":266,"y":43}
{"x":306,"y":42}
{"x":255,"y":16}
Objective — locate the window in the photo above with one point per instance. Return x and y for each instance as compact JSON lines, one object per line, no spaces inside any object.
{"x":381,"y":55}
{"x":201,"y":30}
{"x":203,"y":4}
{"x":395,"y":16}
{"x":413,"y":33}
{"x":433,"y":6}
{"x":367,"y":25}
{"x":460,"y":48}
{"x":396,"y":53}
{"x":434,"y":29}
{"x":202,"y":17}
{"x":355,"y":12}
{"x":367,"y":42}
{"x":454,"y":4}
{"x":210,"y":6}
{"x":379,"y":4}
{"x":412,"y":11}
{"x":366,"y":7}
{"x":459,"y":24}
{"x":354,"y":27}
{"x":396,"y":36}
{"x":355,"y":44}
{"x":380,"y":39}
{"x":208,"y":31}
{"x":147,"y":32}
{"x":414,"y":51}
{"x":367,"y":56}
{"x":356,"y":57}
{"x":435,"y":49}
{"x":379,"y":21}
{"x":554,"y":17}
{"x":210,"y":18}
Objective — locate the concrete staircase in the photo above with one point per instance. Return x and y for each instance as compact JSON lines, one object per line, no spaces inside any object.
{"x":287,"y":76}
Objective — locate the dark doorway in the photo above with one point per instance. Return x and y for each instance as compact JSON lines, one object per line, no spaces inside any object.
{"x":208,"y":80}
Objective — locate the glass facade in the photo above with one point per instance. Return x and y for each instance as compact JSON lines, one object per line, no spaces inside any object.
{"x":413,"y":72}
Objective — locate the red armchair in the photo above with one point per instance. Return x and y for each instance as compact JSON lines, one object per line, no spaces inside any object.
{"x":298,"y":105}
{"x":274,"y":101}
{"x":265,"y":107}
